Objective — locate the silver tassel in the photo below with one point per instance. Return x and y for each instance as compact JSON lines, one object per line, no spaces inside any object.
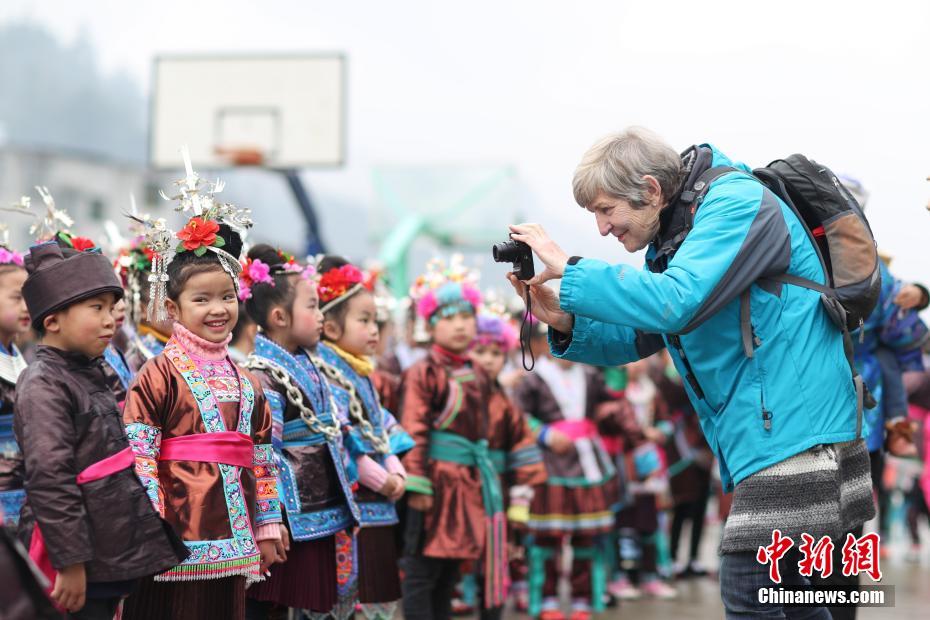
{"x":158,"y":290}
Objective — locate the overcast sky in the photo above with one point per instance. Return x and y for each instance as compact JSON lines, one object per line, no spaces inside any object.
{"x":532,"y":84}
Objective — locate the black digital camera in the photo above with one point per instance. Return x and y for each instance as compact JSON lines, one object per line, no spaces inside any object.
{"x":519,"y":254}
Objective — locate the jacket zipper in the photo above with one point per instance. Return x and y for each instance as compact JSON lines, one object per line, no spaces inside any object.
{"x":766,"y":414}
{"x":689,"y":372}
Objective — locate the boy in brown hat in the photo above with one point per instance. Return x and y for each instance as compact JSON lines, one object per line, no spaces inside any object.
{"x":95,"y":531}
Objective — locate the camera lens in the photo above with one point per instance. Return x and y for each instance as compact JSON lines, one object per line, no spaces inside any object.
{"x":506,"y":252}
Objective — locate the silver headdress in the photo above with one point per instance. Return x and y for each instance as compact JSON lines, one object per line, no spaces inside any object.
{"x":47,"y":224}
{"x":196,"y":198}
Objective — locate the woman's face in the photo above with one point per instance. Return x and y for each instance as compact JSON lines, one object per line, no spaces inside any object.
{"x":634,"y":228}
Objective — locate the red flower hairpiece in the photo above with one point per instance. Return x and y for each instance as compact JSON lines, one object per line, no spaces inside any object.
{"x":198,"y":235}
{"x":340,"y":280}
{"x":80,"y":244}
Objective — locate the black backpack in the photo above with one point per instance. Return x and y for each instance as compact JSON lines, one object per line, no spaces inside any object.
{"x":839,"y":232}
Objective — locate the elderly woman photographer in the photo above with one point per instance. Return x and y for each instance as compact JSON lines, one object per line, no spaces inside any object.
{"x":778,"y":408}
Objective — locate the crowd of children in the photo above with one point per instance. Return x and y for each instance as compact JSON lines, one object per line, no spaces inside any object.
{"x":209,"y":430}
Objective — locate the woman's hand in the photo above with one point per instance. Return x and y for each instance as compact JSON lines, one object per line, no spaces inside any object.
{"x":548,"y":251}
{"x":545,"y":305}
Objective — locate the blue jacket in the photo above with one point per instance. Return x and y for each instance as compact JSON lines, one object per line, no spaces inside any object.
{"x":794,"y":392}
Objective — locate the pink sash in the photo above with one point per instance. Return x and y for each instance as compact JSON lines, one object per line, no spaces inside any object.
{"x":228,"y":447}
{"x":576,"y":429}
{"x":99,"y":470}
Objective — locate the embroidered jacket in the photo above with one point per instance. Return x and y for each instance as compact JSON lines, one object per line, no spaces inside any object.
{"x":315,"y":489}
{"x":375,"y":509}
{"x":215,"y":507}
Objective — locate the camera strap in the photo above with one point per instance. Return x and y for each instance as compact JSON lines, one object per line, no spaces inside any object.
{"x":526,"y":328}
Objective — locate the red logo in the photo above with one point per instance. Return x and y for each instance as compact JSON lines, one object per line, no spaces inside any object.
{"x":817,"y":556}
{"x":774,"y":552}
{"x":860,"y":555}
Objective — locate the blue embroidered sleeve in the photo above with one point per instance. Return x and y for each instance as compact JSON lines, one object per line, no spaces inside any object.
{"x":267,"y":502}
{"x":145,"y":442}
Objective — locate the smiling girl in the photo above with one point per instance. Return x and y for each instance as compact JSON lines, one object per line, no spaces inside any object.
{"x":201,"y":432}
{"x":281,"y":297}
{"x":372,"y":436}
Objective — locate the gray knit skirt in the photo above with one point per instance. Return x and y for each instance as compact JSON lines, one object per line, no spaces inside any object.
{"x":823,"y":491}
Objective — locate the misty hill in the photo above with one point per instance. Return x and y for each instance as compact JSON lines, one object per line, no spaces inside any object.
{"x":56,"y":97}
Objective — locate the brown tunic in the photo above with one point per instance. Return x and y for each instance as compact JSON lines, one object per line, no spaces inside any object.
{"x":443,"y":392}
{"x":191,"y":493}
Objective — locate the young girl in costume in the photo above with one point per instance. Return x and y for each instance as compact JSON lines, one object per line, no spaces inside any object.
{"x":281,"y":297}
{"x":200,"y":427}
{"x":579,"y":499}
{"x":521,"y":468}
{"x":14,"y":321}
{"x":644,"y":427}
{"x":372,"y":436}
{"x":454,"y":488}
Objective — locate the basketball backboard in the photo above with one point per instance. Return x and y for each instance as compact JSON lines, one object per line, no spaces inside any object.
{"x":290,"y":110}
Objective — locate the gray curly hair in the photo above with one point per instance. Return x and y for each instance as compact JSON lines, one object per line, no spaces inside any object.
{"x":617,"y":164}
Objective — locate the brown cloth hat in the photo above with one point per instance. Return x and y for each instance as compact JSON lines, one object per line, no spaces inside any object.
{"x":59,"y":277}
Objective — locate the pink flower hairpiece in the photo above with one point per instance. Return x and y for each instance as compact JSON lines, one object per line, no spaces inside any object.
{"x":307,"y":272}
{"x":497,"y":330}
{"x":443,"y":284}
{"x":430,"y":302}
{"x":9,"y":257}
{"x":254,"y":271}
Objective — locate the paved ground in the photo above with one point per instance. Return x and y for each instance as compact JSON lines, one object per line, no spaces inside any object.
{"x":701,"y":598}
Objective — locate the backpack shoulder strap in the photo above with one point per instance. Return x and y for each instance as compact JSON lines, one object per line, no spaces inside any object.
{"x":788,"y":278}
{"x":688,"y":202}
{"x":695,"y":195}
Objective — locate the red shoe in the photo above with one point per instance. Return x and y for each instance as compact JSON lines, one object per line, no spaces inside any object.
{"x":581,"y":614}
{"x":551,"y":614}
{"x":461,"y":608}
